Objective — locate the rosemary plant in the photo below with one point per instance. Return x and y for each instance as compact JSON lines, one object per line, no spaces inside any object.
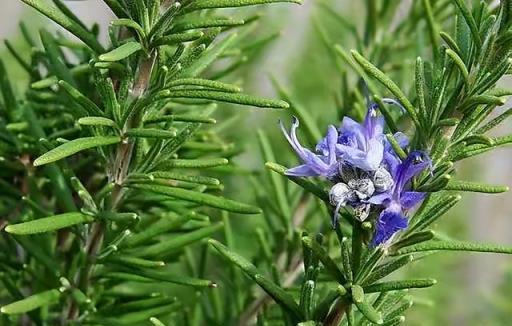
{"x":363,"y":202}
{"x":112,"y":165}
{"x":104,"y":156}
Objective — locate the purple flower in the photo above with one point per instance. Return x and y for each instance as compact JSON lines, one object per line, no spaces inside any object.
{"x":323,"y":164}
{"x":400,"y":198}
{"x":361,"y":145}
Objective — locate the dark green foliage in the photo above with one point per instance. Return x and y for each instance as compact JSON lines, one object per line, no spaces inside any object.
{"x":106,"y":155}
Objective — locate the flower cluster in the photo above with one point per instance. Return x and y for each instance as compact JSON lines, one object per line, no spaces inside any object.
{"x":366,"y":172}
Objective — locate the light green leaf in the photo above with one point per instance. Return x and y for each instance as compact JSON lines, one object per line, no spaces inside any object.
{"x":193,"y":164}
{"x":96,"y":121}
{"x":200,"y":198}
{"x":177,"y":242}
{"x":73,"y":147}
{"x":122,"y":52}
{"x":388,"y":83}
{"x":214,"y":4}
{"x":283,"y":298}
{"x":470,"y":20}
{"x":234,"y":98}
{"x":189,"y":178}
{"x":151,"y":133}
{"x":458,"y":185}
{"x":364,"y":307}
{"x":329,"y":264}
{"x":204,"y":22}
{"x":399,"y":285}
{"x":303,"y":182}
{"x":213,"y":84}
{"x":51,"y":12}
{"x":174,"y":39}
{"x":51,"y":223}
{"x":30,"y":303}
{"x":130,"y":24}
{"x":89,"y":106}
{"x":454,"y":245}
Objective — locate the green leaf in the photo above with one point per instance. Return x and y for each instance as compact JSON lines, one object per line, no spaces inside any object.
{"x":277,"y":182}
{"x":396,"y":147}
{"x":388,"y":83}
{"x":399,"y":285}
{"x":156,"y":322}
{"x":165,"y":276}
{"x":213,"y":84}
{"x":150,"y":133}
{"x":73,"y":147}
{"x":204,"y":22}
{"x":181,"y":118}
{"x":431,"y":214}
{"x":364,"y":307}
{"x":458,"y":185}
{"x":208,"y":57}
{"x":215,"y":4}
{"x":412,"y":239}
{"x":96,"y":121}
{"x":134,"y":261}
{"x":174,"y":39}
{"x":177,"y":242}
{"x":130,"y":24}
{"x":454,"y":245}
{"x":194,"y":164}
{"x":33,"y":302}
{"x":200,"y":198}
{"x":470,"y":20}
{"x":345,"y":259}
{"x":329,"y":264}
{"x":159,"y":227}
{"x":189,"y":178}
{"x":460,"y":64}
{"x":121,"y":52}
{"x":278,"y":294}
{"x":234,"y":98}
{"x":303,"y":182}
{"x":68,"y":23}
{"x":51,"y":223}
{"x":88,"y":105}
{"x":137,"y":317}
{"x":384,"y":270}
{"x":369,"y":264}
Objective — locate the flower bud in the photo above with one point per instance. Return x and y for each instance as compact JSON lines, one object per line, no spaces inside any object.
{"x":382,"y":180}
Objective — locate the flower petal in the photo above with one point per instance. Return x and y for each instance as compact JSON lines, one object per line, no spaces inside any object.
{"x":390,"y":221}
{"x":409,"y":199}
{"x":301,"y":171}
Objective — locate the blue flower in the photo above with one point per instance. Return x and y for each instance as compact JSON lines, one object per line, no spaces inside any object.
{"x":361,"y":145}
{"x":325,"y":163}
{"x":399,"y":198}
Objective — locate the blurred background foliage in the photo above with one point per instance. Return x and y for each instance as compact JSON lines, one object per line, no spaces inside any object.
{"x":296,"y":49}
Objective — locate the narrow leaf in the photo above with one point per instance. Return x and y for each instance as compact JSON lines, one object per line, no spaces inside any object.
{"x":457,"y":185}
{"x":50,"y":223}
{"x":54,"y":14}
{"x":200,"y":198}
{"x":33,"y":302}
{"x":399,"y":285}
{"x":122,"y":52}
{"x":278,"y":294}
{"x":388,"y":83}
{"x":454,"y":245}
{"x":364,"y":307}
{"x":234,"y":98}
{"x":73,"y":147}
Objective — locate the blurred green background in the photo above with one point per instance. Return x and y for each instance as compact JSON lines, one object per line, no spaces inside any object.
{"x":473,"y":289}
